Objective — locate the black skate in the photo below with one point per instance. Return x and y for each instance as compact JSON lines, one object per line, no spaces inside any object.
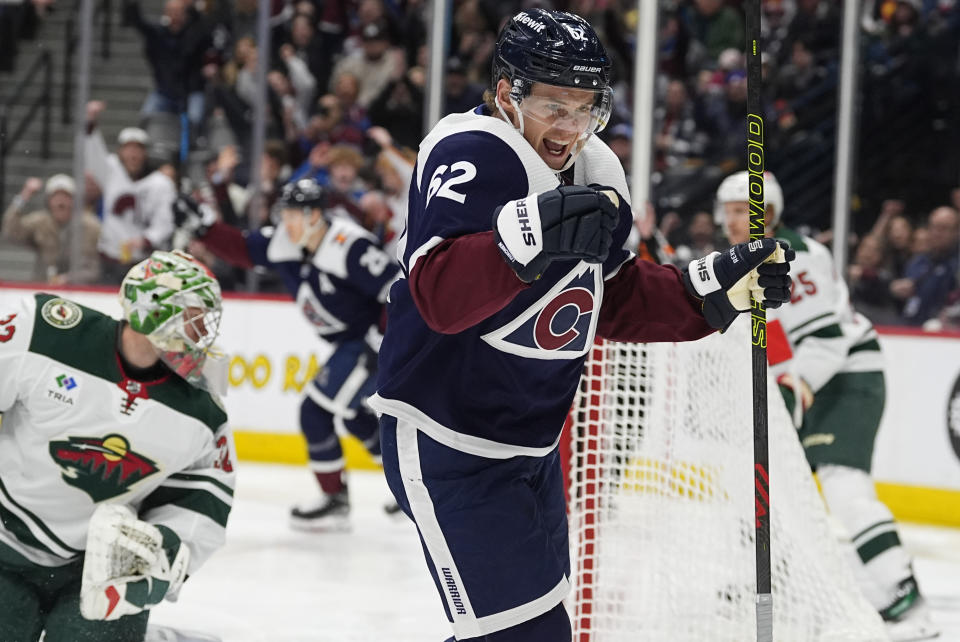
{"x":330,"y":513}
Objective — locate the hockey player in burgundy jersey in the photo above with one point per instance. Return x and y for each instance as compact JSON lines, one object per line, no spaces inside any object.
{"x":512,"y":263}
{"x":339,"y":276}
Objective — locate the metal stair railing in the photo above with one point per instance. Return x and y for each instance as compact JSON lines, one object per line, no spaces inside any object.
{"x":43,"y":64}
{"x":103,"y":10}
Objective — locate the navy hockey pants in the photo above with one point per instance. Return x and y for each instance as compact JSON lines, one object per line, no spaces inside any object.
{"x":493,"y":531}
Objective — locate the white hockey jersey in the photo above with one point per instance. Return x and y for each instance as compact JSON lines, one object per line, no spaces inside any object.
{"x":818,"y":333}
{"x":131,"y":209}
{"x":76,"y":431}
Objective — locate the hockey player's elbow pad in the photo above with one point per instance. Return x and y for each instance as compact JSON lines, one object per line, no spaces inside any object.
{"x":571,"y":222}
{"x":725,"y":281}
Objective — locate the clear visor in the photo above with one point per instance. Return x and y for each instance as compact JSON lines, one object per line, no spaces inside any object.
{"x":580,"y":111}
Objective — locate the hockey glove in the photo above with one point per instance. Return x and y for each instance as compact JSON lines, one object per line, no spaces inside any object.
{"x":569,"y":222}
{"x":191,"y":216}
{"x":794,"y":390}
{"x":129,"y":565}
{"x":726,"y":280}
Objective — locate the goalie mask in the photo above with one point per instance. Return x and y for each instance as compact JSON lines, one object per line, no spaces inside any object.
{"x":541,"y":47}
{"x":175,"y":301}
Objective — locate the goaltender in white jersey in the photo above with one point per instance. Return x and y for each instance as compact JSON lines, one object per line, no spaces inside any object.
{"x":828,"y":364}
{"x":108,"y":437}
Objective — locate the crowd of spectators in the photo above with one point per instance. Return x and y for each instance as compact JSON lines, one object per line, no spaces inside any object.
{"x":346,"y":84}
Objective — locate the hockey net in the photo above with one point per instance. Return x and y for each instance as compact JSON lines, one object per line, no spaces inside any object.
{"x":662,"y":506}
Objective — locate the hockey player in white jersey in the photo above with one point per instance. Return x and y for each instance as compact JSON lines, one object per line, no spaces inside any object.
{"x":827,"y":362}
{"x":116,"y":473}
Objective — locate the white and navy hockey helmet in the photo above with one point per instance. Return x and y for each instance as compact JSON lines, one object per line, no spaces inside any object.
{"x":555,"y":48}
{"x":304,"y":194}
{"x":736,"y":188}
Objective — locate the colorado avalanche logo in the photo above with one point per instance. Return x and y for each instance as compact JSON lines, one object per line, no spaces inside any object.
{"x":560,"y":325}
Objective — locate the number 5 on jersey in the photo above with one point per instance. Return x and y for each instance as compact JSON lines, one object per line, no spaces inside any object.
{"x":460,"y":172}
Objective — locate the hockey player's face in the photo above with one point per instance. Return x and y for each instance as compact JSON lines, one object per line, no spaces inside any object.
{"x":737,"y":221}
{"x":296,"y":223}
{"x":555,"y":119}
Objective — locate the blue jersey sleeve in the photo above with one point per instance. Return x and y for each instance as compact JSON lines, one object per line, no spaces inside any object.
{"x":257,"y":243}
{"x":463,"y":180}
{"x":370,"y":269}
{"x":619,"y":252}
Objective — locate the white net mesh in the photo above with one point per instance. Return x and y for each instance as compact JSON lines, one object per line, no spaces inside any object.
{"x":662,"y":506}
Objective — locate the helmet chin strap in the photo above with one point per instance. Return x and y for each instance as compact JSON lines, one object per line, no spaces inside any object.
{"x":516,"y":108}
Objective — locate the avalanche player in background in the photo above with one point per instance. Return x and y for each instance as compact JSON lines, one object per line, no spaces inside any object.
{"x":109,"y":437}
{"x":512,"y":264}
{"x":827,"y":361}
{"x":339,"y":276}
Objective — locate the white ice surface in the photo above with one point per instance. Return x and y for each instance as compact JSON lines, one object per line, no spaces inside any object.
{"x":271,"y":584}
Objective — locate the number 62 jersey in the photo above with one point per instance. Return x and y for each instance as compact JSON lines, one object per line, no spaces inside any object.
{"x":474,"y":357}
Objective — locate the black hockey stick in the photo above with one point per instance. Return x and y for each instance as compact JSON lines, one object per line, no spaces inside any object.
{"x":761,"y":454}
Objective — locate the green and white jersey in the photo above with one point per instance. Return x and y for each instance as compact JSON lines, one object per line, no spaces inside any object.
{"x":819,"y":328}
{"x":76,"y":431}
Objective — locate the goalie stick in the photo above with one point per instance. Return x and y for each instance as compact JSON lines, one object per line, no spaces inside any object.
{"x":761,"y":454}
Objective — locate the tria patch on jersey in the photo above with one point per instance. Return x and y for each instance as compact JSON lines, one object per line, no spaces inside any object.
{"x":102,"y":468}
{"x":560,"y":325}
{"x":61,"y":314}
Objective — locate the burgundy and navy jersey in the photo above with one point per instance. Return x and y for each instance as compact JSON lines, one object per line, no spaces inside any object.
{"x":500,"y":387}
{"x":341,"y":288}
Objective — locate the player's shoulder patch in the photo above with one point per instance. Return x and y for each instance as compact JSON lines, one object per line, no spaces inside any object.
{"x":61,"y":313}
{"x":331,"y":257}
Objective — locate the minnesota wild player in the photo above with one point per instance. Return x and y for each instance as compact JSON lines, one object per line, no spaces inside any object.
{"x":116,"y":474}
{"x":827,"y":361}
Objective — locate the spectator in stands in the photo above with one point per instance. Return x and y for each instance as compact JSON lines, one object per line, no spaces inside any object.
{"x":460,"y":94}
{"x":311,"y":48}
{"x":18,"y":20}
{"x":301,"y":81}
{"x":869,"y":281}
{"x":136,"y":202}
{"x":801,"y":74}
{"x":175,"y":48}
{"x":399,"y":108}
{"x":353,"y":120}
{"x":678,"y":138}
{"x":50,"y":233}
{"x":700,"y":239}
{"x":274,"y":173}
{"x":620,"y":141}
{"x":929,"y":277}
{"x":344,"y":163}
{"x":374,"y":65}
{"x":818,"y":24}
{"x":715,"y":26}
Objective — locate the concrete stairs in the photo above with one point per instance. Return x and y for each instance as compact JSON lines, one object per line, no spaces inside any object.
{"x":123,"y":81}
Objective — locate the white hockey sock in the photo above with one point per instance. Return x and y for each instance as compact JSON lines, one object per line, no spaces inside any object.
{"x":852,"y":500}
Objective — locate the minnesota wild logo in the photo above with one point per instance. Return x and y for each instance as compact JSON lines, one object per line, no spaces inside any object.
{"x":102,"y":468}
